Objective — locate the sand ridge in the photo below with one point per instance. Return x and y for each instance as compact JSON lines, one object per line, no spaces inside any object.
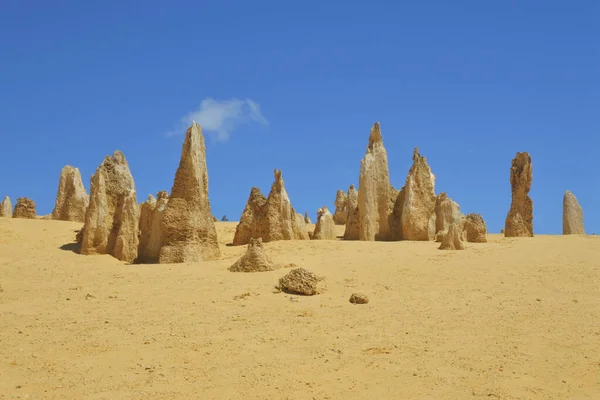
{"x":514,"y":318}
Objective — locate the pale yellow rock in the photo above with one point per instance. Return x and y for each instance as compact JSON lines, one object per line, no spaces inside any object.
{"x":453,"y":239}
{"x":572,"y":215}
{"x":417,"y":205}
{"x":255,"y":259}
{"x":71,"y":199}
{"x":127,"y":217}
{"x":251,"y":221}
{"x":325,"y":227}
{"x":272,"y":218}
{"x":374,"y":190}
{"x":340,"y":217}
{"x":112,"y":216}
{"x":301,"y":281}
{"x":475,"y":229}
{"x":25,"y":208}
{"x":447,"y":212}
{"x":519,"y":221}
{"x":6,"y":208}
{"x":151,"y":213}
{"x":187,"y":225}
{"x":352,"y":231}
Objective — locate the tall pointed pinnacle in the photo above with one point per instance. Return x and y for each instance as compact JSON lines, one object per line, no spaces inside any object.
{"x":416,"y":154}
{"x":188,"y":230}
{"x":375,"y":136}
{"x":374,"y":190}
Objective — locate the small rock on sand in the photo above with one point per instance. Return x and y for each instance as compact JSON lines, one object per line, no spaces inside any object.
{"x":359,"y":298}
{"x":301,"y":281}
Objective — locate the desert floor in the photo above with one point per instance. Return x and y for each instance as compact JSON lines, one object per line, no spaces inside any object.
{"x":508,"y":319}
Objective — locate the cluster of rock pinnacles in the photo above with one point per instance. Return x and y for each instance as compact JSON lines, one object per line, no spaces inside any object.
{"x":180,"y":227}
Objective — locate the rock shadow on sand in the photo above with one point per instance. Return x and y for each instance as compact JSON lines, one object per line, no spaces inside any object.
{"x":74,"y":247}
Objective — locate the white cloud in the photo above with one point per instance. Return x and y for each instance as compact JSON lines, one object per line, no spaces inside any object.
{"x":222,"y":117}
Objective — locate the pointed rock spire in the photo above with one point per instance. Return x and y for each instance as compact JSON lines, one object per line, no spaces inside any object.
{"x":325,"y":227}
{"x":519,"y":221}
{"x":71,"y":200}
{"x":572,"y":215}
{"x":415,"y":206}
{"x":272,"y":218}
{"x":188,"y":228}
{"x":6,"y":208}
{"x":340,"y":217}
{"x":112,"y":217}
{"x":374,"y":190}
{"x":250,"y":224}
{"x":375,"y":136}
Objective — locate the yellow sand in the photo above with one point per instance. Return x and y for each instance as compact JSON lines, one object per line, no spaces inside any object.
{"x":508,"y":319}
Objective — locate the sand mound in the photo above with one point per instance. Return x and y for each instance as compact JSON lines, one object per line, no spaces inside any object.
{"x":254,"y":260}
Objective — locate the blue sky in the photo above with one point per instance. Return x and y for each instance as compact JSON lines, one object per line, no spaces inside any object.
{"x":297,"y":86}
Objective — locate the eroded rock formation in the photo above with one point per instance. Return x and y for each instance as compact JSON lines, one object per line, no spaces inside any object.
{"x":127,"y":216}
{"x":519,"y":221}
{"x":325,"y":227}
{"x":71,"y":200}
{"x":414,"y":210}
{"x":301,"y":281}
{"x":6,"y":208}
{"x":475,"y":229}
{"x":447,"y":212}
{"x":572,"y":215}
{"x":151,"y":213}
{"x":453,"y":239}
{"x":188,"y":228}
{"x":25,"y":208}
{"x":352,"y":231}
{"x":340,"y":217}
{"x":272,"y":218}
{"x":374,"y":190}
{"x":252,"y":219}
{"x":112,"y":217}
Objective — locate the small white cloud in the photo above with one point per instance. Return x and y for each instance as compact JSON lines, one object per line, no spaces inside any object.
{"x":222,"y":117}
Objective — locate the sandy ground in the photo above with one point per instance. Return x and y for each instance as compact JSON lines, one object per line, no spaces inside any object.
{"x":509,"y":319}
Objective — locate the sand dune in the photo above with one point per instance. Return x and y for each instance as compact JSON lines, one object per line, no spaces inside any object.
{"x":514,"y":318}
